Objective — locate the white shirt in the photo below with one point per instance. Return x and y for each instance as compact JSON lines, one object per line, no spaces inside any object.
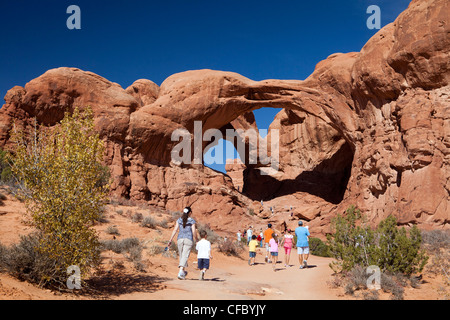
{"x":203,"y":249}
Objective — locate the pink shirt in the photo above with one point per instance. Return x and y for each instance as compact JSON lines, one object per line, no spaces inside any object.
{"x":288,"y":241}
{"x":273,"y":245}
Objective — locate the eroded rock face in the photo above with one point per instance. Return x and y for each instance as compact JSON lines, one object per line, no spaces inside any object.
{"x":369,"y":128}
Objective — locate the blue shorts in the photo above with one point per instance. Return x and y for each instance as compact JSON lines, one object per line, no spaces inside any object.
{"x":252,"y":254}
{"x":275,"y":254}
{"x":203,"y":263}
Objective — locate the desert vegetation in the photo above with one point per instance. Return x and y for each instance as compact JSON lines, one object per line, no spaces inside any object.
{"x":399,"y":254}
{"x":60,"y":178}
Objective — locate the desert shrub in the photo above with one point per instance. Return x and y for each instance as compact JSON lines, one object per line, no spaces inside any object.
{"x":371,"y":295}
{"x":113,"y":245}
{"x":437,"y":243}
{"x":356,"y":280}
{"x":137,"y":217}
{"x":112,"y":230}
{"x":230,"y":248}
{"x":173,"y":247}
{"x":64,"y":186}
{"x":243,"y":241}
{"x":318,"y":247}
{"x":396,"y":251}
{"x":211,"y":236}
{"x":352,"y":242}
{"x":390,"y":283}
{"x":130,"y":248}
{"x":120,"y":246}
{"x":174,"y":215}
{"x":436,"y":239}
{"x":5,"y":167}
{"x":164,"y":223}
{"x":26,"y":262}
{"x":2,"y":198}
{"x":128,"y":243}
{"x":149,"y":222}
{"x":102,"y":218}
{"x":155,"y":249}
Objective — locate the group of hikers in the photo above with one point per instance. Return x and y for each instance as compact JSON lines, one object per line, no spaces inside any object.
{"x":187,"y":235}
{"x":273,"y":241}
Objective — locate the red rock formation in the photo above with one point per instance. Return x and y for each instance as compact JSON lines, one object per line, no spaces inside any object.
{"x":368,"y":128}
{"x":235,"y":169}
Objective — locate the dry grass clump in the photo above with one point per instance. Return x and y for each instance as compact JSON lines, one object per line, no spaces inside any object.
{"x":230,"y":248}
{"x":131,"y":248}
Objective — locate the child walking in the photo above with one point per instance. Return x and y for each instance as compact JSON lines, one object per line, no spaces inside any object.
{"x":287,"y":244}
{"x":203,"y":254}
{"x":252,"y":250}
{"x":273,"y":243}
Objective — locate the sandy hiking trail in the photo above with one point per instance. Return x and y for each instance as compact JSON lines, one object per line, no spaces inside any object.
{"x":232,"y":278}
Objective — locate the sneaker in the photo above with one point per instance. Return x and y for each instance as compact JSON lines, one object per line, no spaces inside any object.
{"x":249,"y":262}
{"x":202,"y":276}
{"x":305,"y":264}
{"x":181,"y":275}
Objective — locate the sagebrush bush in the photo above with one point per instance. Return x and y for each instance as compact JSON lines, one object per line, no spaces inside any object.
{"x":25,"y":261}
{"x":149,"y":222}
{"x":120,"y":246}
{"x":137,"y":217}
{"x":390,"y":283}
{"x":356,"y":280}
{"x":230,"y":248}
{"x":112,"y":230}
{"x":437,"y":242}
{"x":211,"y":236}
{"x":131,"y":248}
{"x":155,"y":249}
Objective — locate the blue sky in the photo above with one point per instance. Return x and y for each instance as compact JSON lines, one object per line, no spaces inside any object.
{"x":128,"y":40}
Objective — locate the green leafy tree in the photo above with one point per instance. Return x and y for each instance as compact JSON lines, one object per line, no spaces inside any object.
{"x":64,"y":186}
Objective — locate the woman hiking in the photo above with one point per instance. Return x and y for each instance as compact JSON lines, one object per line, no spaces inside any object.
{"x":187,"y":233}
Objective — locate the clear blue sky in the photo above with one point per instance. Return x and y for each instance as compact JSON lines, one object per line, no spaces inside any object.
{"x":127,"y":40}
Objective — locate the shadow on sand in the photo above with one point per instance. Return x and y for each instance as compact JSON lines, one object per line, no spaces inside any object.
{"x":109,"y":284}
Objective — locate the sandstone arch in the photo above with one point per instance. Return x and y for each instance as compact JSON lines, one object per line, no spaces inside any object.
{"x":388,"y":106}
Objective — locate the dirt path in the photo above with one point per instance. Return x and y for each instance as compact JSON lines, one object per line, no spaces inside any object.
{"x":233,"y":278}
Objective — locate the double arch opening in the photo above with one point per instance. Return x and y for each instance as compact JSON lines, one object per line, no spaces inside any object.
{"x":314,"y":158}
